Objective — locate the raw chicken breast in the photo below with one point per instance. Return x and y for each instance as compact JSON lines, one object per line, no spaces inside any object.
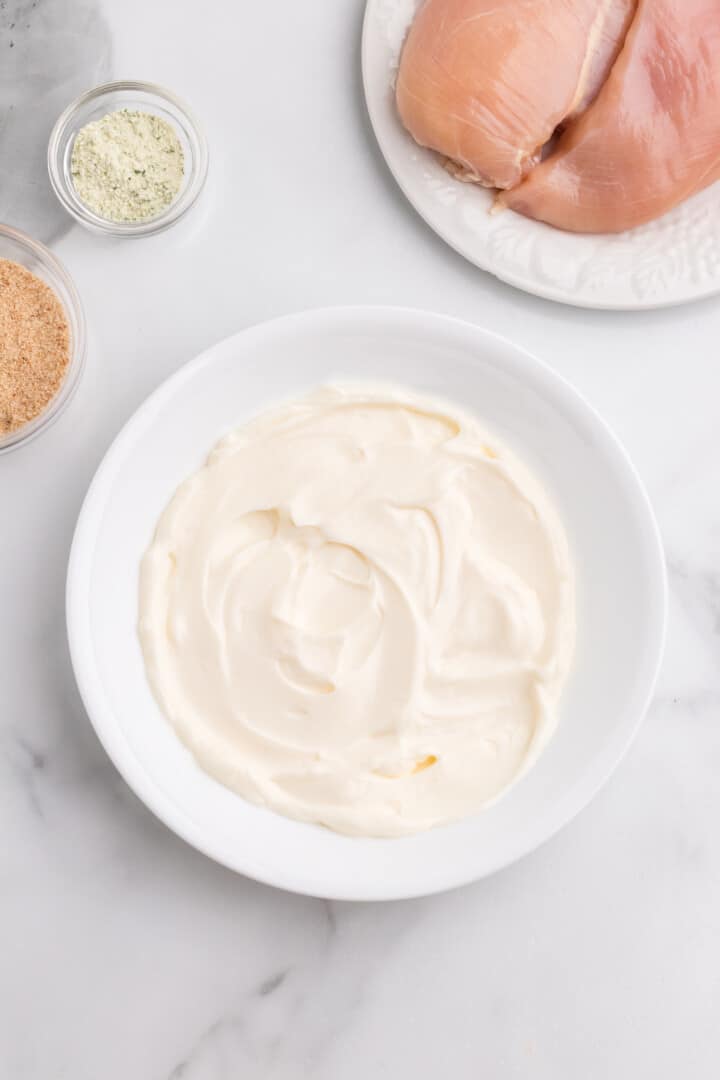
{"x":652,"y":137}
{"x":487,"y":82}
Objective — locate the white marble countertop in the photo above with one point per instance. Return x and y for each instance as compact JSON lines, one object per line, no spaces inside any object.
{"x":124,"y":953}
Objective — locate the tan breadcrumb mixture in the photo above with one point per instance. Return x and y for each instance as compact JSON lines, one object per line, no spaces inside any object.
{"x":34,"y":345}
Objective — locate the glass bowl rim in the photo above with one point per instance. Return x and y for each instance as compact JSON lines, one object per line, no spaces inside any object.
{"x":75,"y":314}
{"x":176,"y":210}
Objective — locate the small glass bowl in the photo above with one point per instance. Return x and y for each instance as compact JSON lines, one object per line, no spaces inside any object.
{"x":19,"y":248}
{"x":145,"y":97}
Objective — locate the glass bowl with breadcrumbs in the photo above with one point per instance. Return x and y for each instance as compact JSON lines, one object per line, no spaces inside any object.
{"x":42,"y":338}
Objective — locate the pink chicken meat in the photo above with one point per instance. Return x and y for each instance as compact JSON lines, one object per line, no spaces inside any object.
{"x":486,"y":83}
{"x":652,"y":137}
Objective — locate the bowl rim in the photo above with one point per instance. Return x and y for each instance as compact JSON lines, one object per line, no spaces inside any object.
{"x":176,"y":210}
{"x":57,"y":404}
{"x":132,"y":769}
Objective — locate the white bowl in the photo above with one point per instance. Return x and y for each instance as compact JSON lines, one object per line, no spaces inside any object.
{"x":615,"y":542}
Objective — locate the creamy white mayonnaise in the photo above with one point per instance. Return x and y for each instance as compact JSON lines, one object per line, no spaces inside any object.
{"x":360,"y":612}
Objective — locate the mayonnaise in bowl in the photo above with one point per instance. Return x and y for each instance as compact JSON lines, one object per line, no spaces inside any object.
{"x":360,"y":612}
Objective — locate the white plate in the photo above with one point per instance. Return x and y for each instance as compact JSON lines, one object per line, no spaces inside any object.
{"x":670,"y":261}
{"x":614,"y":539}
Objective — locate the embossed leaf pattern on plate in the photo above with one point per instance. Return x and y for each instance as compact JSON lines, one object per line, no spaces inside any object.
{"x":669,"y":261}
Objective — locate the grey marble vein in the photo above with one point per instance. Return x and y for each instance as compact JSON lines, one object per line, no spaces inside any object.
{"x":29,"y":763}
{"x":272,"y":983}
{"x":699,"y":587}
{"x":50,"y":51}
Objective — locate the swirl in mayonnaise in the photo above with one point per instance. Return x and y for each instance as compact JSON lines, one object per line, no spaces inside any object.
{"x":360,"y":612}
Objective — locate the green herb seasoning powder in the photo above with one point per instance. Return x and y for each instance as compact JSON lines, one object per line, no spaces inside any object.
{"x":127,"y":166}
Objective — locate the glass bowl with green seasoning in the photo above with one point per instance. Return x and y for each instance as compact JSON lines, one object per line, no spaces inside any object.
{"x":127,"y":159}
{"x":42,"y":338}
